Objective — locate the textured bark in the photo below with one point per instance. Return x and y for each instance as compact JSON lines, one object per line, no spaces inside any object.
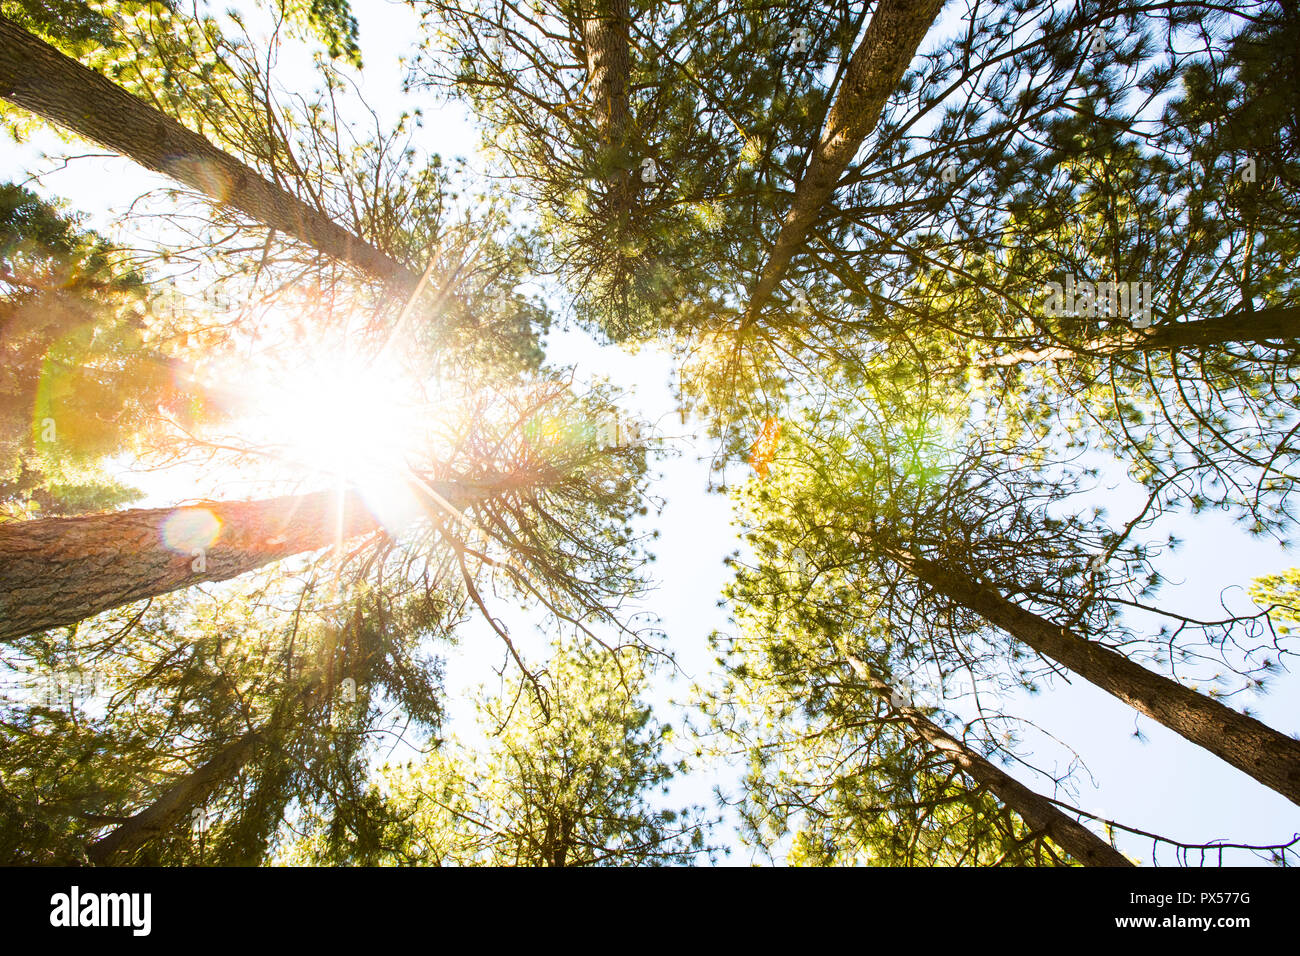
{"x":1268,"y":755}
{"x":170,"y":808}
{"x":605,"y":27}
{"x":605,"y":39}
{"x":896,"y":30}
{"x":1039,"y":813}
{"x":38,"y":77}
{"x":57,"y":571}
{"x":1266,"y":325}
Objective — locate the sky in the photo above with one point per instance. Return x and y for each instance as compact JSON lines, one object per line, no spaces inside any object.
{"x":1161,"y":783}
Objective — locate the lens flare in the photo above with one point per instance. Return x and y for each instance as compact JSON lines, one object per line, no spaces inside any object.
{"x":187,"y":530}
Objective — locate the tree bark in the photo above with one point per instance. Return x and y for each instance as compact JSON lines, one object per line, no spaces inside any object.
{"x":1268,"y":755}
{"x":1267,"y":325}
{"x":38,"y":77}
{"x":190,"y":791}
{"x":896,"y":30}
{"x":605,"y":30}
{"x":1039,"y":813}
{"x":57,"y":571}
{"x":605,"y":39}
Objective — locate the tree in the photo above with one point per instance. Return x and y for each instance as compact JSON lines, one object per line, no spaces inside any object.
{"x":856,"y":772}
{"x":80,"y":99}
{"x":1052,"y":168}
{"x":1040,"y":814}
{"x":1268,"y":755}
{"x":896,"y":30}
{"x":210,"y":719}
{"x":701,"y":161}
{"x":58,"y":571}
{"x":568,"y":785}
{"x":79,"y":382}
{"x":935,"y":531}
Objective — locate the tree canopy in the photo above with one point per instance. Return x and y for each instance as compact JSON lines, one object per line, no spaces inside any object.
{"x":978,"y":309}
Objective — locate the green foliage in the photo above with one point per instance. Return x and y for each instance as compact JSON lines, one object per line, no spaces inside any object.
{"x":1280,"y":594}
{"x":178,"y":682}
{"x":76,"y":26}
{"x":567,"y":775}
{"x":332,"y":22}
{"x":835,"y":778}
{"x":902,"y":357}
{"x":78,"y":380}
{"x":643,"y":258}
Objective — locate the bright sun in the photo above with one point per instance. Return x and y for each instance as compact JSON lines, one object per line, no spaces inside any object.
{"x":358,"y":425}
{"x":346,"y":420}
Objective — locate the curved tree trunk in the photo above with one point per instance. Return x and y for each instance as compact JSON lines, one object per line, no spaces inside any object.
{"x":896,"y":30}
{"x":1268,"y":755}
{"x":1040,"y":814}
{"x":1267,"y":325}
{"x":38,"y":77}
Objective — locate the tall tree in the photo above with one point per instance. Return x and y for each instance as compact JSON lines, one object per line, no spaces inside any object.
{"x":229,"y":711}
{"x":571,"y":785}
{"x":944,"y":529}
{"x":1268,"y":755}
{"x":38,"y":77}
{"x":896,"y":29}
{"x":857,"y":772}
{"x":1042,"y":816}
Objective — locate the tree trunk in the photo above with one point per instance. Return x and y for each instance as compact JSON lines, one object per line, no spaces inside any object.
{"x":165,"y":812}
{"x":1268,"y":325}
{"x":1040,"y":814}
{"x":38,"y":77}
{"x":193,"y":789}
{"x":57,"y":571}
{"x":605,"y":40}
{"x":1268,"y":755}
{"x":896,"y":30}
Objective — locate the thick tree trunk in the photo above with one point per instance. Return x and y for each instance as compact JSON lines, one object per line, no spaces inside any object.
{"x":605,"y":29}
{"x":57,"y":571}
{"x":896,"y":30}
{"x":37,"y":77}
{"x":1264,"y":326}
{"x":165,"y":812}
{"x":605,"y":38}
{"x":1268,"y":755}
{"x":1039,"y":813}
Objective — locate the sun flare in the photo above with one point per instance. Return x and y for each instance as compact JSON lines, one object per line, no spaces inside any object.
{"x":359,"y":425}
{"x":346,"y":420}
